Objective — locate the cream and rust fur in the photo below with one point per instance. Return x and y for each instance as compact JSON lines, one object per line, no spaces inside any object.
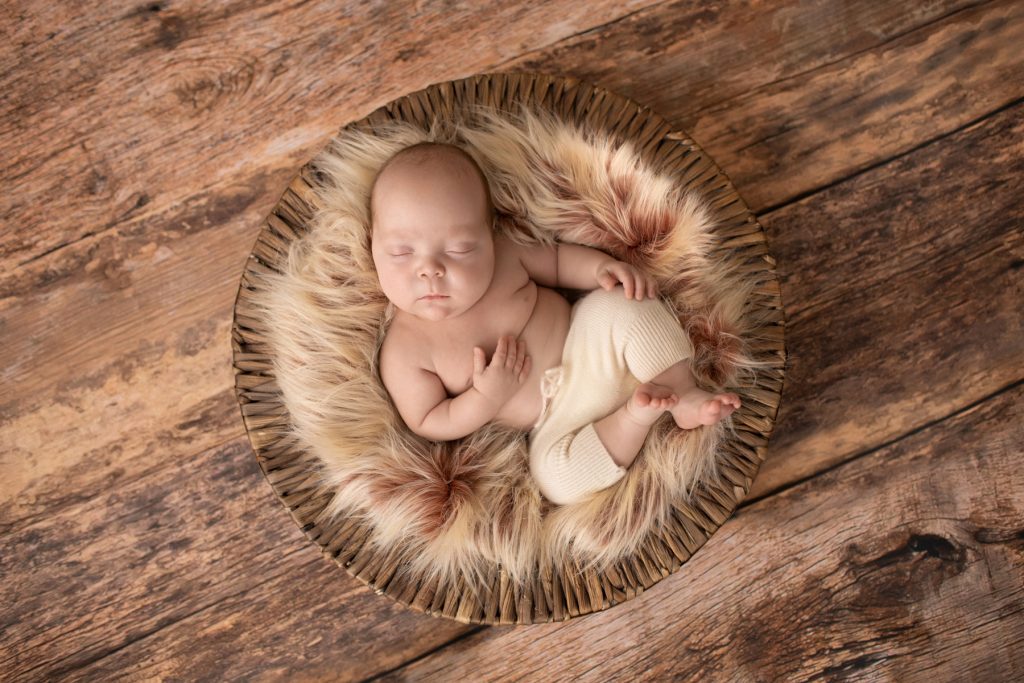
{"x":460,"y":507}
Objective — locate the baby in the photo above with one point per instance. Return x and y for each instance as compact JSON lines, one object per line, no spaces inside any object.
{"x":478,"y":335}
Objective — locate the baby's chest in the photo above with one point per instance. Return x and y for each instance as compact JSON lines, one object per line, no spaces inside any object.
{"x":452,"y":355}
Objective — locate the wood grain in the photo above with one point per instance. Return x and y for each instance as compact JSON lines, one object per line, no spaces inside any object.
{"x":144,"y":143}
{"x":798,"y":96}
{"x":917,"y":579}
{"x":230,"y":91}
{"x":682,"y":57}
{"x":781,"y":140}
{"x":197,"y":539}
{"x":899,"y":309}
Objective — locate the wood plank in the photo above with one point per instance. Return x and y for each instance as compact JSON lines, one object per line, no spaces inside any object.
{"x":838,"y":87}
{"x":123,"y":357}
{"x":681,"y":57}
{"x":785,"y":139}
{"x":902,"y":290}
{"x":200,"y":537}
{"x":904,"y":564}
{"x":230,"y":91}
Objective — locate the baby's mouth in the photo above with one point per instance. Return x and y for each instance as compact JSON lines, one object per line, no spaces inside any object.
{"x":428,"y":297}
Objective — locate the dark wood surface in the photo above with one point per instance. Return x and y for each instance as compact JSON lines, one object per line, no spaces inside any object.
{"x":882,"y":147}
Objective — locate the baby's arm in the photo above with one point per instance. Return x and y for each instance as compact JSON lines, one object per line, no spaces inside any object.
{"x":582,"y":267}
{"x":423,"y":404}
{"x":422,"y":401}
{"x":575,"y":266}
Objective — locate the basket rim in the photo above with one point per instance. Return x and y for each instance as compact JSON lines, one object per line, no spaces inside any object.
{"x":425,"y":598}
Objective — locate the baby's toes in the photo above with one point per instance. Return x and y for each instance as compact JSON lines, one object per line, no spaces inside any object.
{"x":730,"y":400}
{"x":643,"y":399}
{"x":711,"y":411}
{"x":727,"y":410}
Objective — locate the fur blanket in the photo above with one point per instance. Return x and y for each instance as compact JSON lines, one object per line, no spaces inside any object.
{"x":460,"y":507}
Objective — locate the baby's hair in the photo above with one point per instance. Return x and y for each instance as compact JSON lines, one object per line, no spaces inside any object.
{"x":425,"y":152}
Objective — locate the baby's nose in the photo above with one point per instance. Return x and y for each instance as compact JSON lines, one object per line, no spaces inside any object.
{"x":431,"y":269}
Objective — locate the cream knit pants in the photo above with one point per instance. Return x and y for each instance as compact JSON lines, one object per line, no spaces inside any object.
{"x":614,"y":344}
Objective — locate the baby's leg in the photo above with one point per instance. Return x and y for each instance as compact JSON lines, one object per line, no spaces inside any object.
{"x":655,"y":340}
{"x":695,"y":407}
{"x":610,"y":339}
{"x":623,"y":432}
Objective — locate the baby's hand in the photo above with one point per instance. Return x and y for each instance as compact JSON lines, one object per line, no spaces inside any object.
{"x":634,"y":282}
{"x":509,"y":368}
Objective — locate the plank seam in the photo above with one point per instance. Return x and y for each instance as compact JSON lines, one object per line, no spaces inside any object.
{"x":840,"y":60}
{"x":580,"y":33}
{"x":750,"y":501}
{"x":772,"y":208}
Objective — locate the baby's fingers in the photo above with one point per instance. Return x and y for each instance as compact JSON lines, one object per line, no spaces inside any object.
{"x":515,"y":348}
{"x":500,"y":353}
{"x":627,"y":286}
{"x":520,"y":358}
{"x":525,"y":371}
{"x":607,"y":281}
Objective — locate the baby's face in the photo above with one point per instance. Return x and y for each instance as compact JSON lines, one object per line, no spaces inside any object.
{"x":432,"y":243}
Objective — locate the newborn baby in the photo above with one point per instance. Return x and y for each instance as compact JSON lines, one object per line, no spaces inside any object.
{"x":478,"y":335}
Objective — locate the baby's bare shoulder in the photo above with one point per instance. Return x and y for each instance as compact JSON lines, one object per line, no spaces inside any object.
{"x":403,"y":350}
{"x":505,"y":247}
{"x":508,"y":255}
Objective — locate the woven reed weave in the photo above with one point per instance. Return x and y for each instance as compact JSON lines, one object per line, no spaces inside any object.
{"x":557,"y":593}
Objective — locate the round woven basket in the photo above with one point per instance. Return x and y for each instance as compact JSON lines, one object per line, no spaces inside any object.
{"x":556,"y":593}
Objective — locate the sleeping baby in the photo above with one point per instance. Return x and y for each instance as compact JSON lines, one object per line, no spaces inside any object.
{"x":478,"y":335}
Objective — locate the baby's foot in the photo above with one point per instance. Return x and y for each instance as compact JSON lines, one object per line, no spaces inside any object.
{"x":697,"y":407}
{"x":649,"y":401}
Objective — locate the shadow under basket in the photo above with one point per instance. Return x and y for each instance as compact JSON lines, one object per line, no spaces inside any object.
{"x":556,"y":593}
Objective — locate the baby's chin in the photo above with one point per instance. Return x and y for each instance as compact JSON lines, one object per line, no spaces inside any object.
{"x":433,"y":311}
{"x":433,"y":316}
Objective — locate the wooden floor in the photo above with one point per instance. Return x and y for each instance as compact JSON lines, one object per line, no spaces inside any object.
{"x":881,"y":145}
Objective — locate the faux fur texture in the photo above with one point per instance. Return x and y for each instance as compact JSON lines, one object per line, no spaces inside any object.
{"x":459,"y":507}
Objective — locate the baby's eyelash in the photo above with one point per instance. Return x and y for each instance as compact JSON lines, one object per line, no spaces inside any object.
{"x":450,"y":251}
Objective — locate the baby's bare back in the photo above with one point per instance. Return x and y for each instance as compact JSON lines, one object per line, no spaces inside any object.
{"x":513,"y":305}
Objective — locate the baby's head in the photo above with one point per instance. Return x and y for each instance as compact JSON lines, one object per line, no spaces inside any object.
{"x":432,"y":220}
